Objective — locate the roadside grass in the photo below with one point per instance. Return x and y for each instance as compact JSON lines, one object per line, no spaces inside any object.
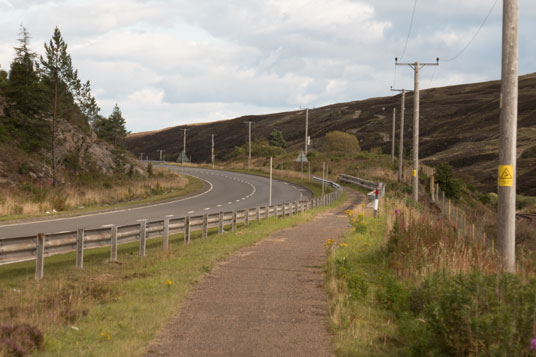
{"x":117,"y":308}
{"x":408,"y":283}
{"x":36,"y":200}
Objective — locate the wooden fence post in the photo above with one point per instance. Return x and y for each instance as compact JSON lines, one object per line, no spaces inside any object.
{"x":290,"y":209}
{"x":432,"y":188}
{"x":205,"y":226}
{"x":258,"y":213}
{"x":80,"y":248}
{"x":449,"y":211}
{"x":165,"y":235}
{"x":143,"y":237}
{"x":234,"y":221}
{"x":297,"y":204}
{"x":246,"y":219}
{"x":186,"y":229}
{"x":220,"y":224}
{"x":113,"y":244}
{"x":39,"y":256}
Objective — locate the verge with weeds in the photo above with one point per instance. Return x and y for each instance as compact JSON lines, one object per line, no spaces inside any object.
{"x":408,"y":283}
{"x":115,"y":308}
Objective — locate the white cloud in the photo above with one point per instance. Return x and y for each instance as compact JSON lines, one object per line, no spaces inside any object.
{"x":172,"y":62}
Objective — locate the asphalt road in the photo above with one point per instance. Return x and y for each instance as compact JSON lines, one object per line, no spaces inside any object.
{"x":224,"y":191}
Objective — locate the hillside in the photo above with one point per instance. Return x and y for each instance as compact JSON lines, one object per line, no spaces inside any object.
{"x":459,"y":124}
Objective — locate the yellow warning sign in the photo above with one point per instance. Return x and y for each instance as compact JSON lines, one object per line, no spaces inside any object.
{"x":506,"y":175}
{"x":414,"y":173}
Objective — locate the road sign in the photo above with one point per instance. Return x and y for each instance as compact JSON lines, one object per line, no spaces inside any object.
{"x":302,"y":157}
{"x":183,"y":157}
{"x":506,"y":175}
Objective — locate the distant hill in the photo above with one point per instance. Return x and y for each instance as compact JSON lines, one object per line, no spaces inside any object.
{"x":458,"y":124}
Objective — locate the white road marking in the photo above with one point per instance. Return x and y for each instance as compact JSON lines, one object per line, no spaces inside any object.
{"x":121,"y":210}
{"x":190,"y":212}
{"x":170,"y":215}
{"x":206,"y":209}
{"x":107,"y":225}
{"x":220,"y":205}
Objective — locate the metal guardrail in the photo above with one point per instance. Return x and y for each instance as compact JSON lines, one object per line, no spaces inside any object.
{"x":18,"y":249}
{"x":371,"y":185}
{"x":328,"y":182}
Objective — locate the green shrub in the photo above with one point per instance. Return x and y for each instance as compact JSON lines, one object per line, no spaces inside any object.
{"x":341,"y":142}
{"x":150,"y":169}
{"x":476,"y":314}
{"x":444,"y":176}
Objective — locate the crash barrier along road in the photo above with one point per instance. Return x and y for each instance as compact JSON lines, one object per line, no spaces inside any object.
{"x":42,"y":245}
{"x":378,"y":189}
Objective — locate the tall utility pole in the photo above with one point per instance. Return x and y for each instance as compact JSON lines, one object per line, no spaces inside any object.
{"x":212,"y":152}
{"x":306,"y":129}
{"x":249,"y":151}
{"x":270,"y":193}
{"x":161,"y":152}
{"x":508,"y":135}
{"x":401,"y":138}
{"x":416,"y":68}
{"x":393,"y":138}
{"x":184,"y":145}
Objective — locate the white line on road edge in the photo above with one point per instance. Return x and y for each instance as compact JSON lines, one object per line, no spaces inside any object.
{"x":109,"y":212}
{"x":190,"y":212}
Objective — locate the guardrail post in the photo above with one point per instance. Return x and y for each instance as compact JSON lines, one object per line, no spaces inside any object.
{"x":284,"y":210}
{"x":258,"y":214}
{"x":290,"y":210}
{"x":234,"y":221}
{"x":165,"y":235}
{"x":220,"y":224}
{"x":205,"y":226}
{"x":432,"y":188}
{"x":80,"y":248}
{"x":186,"y":229}
{"x":113,"y":244}
{"x":246,"y":220}
{"x":39,"y":256}
{"x":377,"y":193}
{"x":143,"y":237}
{"x":297,"y":204}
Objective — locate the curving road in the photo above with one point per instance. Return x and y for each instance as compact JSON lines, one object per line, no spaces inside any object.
{"x":225,"y":191}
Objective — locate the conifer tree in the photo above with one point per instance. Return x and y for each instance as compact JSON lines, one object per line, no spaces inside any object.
{"x":112,"y":129}
{"x":65,"y":91}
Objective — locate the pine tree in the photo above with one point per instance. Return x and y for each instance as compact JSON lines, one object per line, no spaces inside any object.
{"x":276,"y":139}
{"x":65,"y":91}
{"x":25,"y":97}
{"x":112,"y":129}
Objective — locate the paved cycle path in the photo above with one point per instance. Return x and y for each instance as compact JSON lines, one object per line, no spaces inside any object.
{"x":266,"y":300}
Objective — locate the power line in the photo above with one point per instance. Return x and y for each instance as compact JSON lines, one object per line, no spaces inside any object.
{"x":475,"y":35}
{"x":409,"y":30}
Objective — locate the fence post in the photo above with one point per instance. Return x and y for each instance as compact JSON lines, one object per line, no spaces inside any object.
{"x":247,"y":217}
{"x":80,"y":248}
{"x":143,"y":237}
{"x":258,"y":213}
{"x":290,"y":209}
{"x":113,"y":244}
{"x":39,"y":256}
{"x":473,"y":232}
{"x":186,"y":229}
{"x":205,"y":226}
{"x":376,"y":199}
{"x":449,"y":211}
{"x":234,"y":221}
{"x":432,"y":188}
{"x":220,"y":224}
{"x":165,"y":235}
{"x":284,"y":210}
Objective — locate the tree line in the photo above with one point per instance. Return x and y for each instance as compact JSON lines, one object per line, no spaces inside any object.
{"x":39,"y":91}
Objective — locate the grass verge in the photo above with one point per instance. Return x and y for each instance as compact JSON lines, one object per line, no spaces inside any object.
{"x":146,"y":192}
{"x":408,"y":283}
{"x":117,"y":308}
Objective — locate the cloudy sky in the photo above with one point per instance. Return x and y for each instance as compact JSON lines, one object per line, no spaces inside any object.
{"x":173,"y":62}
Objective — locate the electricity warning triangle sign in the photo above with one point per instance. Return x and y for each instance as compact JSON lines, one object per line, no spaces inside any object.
{"x":506,"y":175}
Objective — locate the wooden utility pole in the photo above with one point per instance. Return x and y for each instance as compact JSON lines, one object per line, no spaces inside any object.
{"x":270,"y":194}
{"x":401,"y":138}
{"x":249,"y":151}
{"x":508,"y":134}
{"x":393,"y":138}
{"x":183,"y":145}
{"x":306,"y":129}
{"x":416,"y":66}
{"x":212,"y":152}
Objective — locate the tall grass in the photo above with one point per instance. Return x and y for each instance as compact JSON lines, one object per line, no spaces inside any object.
{"x":419,"y":286}
{"x":88,"y":191}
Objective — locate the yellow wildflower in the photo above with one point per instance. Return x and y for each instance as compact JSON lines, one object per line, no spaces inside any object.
{"x":343,"y":245}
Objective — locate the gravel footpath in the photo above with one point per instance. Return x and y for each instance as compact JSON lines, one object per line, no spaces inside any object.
{"x":266,"y":300}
